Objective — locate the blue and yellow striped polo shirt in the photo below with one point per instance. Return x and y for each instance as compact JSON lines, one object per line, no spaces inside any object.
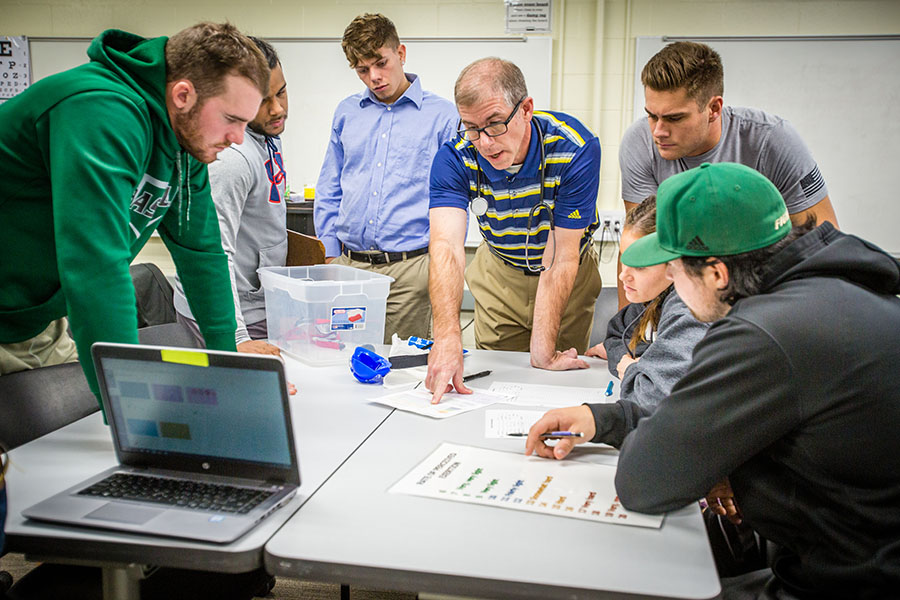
{"x":570,"y":182}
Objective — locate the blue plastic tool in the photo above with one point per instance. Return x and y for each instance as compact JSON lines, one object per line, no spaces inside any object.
{"x":367,"y":366}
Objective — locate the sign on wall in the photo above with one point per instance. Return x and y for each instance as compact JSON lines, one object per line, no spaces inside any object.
{"x":528,"y":16}
{"x":15,"y":74}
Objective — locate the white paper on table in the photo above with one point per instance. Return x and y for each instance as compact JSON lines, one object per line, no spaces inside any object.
{"x":501,"y":423}
{"x":451,"y":404}
{"x":507,"y":480}
{"x":532,"y":394}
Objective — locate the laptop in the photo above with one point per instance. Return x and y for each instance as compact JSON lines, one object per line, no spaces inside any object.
{"x":204,"y":441}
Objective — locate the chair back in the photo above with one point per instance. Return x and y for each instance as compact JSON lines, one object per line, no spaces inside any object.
{"x":304,"y":250}
{"x":153,"y":295}
{"x":38,"y":401}
{"x":168,"y":334}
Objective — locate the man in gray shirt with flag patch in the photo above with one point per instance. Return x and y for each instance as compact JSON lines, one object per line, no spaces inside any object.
{"x":689,"y":125}
{"x":248,"y":185}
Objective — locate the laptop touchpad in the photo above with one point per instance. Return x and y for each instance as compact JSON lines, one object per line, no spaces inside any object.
{"x":123,"y":513}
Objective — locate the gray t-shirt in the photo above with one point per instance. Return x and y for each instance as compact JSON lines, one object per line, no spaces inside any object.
{"x":750,"y":137}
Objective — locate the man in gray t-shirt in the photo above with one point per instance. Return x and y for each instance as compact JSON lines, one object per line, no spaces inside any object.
{"x":688,"y":126}
{"x":748,"y":136}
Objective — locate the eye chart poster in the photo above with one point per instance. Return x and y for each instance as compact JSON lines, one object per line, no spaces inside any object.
{"x":15,"y":73}
{"x":506,"y":480}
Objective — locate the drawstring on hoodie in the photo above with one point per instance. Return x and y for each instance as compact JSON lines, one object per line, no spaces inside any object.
{"x":182,"y":174}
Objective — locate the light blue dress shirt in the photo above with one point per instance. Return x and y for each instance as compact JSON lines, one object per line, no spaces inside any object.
{"x":372,"y":192}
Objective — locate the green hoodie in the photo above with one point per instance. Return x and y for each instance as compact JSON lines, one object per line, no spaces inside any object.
{"x":89,"y":168}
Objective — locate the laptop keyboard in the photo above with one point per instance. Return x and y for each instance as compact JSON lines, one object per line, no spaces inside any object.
{"x":178,"y":492}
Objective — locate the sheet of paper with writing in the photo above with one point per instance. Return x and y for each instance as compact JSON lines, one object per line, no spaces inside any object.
{"x":506,"y":480}
{"x":531,"y":394}
{"x":502,"y":423}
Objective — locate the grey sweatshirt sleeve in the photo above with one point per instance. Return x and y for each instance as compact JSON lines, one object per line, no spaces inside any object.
{"x":667,"y":359}
{"x":621,"y":325}
{"x":231,"y":180}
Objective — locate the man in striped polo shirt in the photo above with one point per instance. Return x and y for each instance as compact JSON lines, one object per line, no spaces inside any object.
{"x":534,"y":284}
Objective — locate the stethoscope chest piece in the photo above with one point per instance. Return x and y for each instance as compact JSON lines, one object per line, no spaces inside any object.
{"x":479,"y":206}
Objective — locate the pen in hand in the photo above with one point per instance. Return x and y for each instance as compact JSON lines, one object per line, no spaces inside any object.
{"x":551,"y":435}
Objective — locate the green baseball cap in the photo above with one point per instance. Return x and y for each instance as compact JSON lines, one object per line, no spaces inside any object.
{"x":712,"y":210}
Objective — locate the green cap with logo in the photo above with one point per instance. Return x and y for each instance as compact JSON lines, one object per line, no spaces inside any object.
{"x":712,"y":210}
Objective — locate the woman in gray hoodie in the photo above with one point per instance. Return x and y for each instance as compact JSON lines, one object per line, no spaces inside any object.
{"x":648,"y":343}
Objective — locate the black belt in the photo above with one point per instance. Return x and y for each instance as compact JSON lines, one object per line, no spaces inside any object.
{"x":381,"y":258}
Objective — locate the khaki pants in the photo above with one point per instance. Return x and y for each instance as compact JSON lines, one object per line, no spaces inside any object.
{"x":504,"y":303}
{"x":53,"y":346}
{"x":408,"y":304}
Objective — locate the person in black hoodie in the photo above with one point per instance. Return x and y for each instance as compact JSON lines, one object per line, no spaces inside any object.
{"x":788,"y":416}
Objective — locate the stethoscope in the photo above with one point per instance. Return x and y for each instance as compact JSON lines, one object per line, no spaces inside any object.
{"x":479,"y":204}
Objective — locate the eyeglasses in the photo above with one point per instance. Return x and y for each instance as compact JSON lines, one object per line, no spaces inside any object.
{"x":491,"y":129}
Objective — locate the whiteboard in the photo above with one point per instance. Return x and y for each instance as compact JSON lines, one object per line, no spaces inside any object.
{"x":842,"y":94}
{"x":319,"y":77}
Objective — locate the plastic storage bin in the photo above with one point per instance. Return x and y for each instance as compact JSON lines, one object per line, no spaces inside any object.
{"x":321,"y":313}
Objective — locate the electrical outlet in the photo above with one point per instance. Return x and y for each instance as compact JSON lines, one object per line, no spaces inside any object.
{"x":613,"y":219}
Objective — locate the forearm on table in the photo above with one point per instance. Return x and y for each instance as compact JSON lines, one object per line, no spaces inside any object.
{"x":553,"y":292}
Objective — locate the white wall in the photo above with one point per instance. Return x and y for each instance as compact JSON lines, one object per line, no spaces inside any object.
{"x":593,"y":39}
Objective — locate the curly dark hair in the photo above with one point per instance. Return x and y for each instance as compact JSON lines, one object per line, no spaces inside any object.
{"x":747,"y":271}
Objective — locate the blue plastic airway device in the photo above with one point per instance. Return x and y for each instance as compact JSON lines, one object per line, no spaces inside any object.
{"x":367,"y":366}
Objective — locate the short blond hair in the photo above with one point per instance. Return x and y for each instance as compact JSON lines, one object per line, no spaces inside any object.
{"x":366,"y":35}
{"x":487,"y":75}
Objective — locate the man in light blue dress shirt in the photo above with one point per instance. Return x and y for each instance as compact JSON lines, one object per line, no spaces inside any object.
{"x":371,"y":208}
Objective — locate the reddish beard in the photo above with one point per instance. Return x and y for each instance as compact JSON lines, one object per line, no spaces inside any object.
{"x":187,"y":132}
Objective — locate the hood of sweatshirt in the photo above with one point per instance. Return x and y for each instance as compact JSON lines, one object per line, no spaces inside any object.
{"x":140,"y":63}
{"x":826,"y":252}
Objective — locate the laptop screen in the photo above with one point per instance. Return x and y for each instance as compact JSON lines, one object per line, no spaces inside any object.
{"x":210,"y":411}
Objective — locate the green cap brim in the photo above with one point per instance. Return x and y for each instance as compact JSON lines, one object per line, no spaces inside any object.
{"x":646,"y":252}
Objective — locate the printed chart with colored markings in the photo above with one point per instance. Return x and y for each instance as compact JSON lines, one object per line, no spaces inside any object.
{"x":503,"y":479}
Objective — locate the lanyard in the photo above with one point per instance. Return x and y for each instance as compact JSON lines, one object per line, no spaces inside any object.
{"x":274,"y":170}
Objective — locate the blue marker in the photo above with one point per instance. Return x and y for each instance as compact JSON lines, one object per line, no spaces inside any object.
{"x":609,"y":389}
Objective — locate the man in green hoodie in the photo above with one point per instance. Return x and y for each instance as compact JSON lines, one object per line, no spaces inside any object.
{"x":92,"y":161}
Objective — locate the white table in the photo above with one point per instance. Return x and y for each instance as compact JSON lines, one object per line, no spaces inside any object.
{"x":326,"y":397}
{"x":354,"y":532}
